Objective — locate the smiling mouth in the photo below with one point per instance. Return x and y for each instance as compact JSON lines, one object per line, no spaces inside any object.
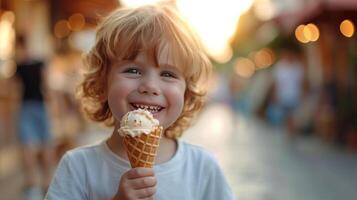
{"x":151,"y":108}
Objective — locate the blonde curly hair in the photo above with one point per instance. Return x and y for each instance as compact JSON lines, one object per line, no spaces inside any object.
{"x":125,"y":33}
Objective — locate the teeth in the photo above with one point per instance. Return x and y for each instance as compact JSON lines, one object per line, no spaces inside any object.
{"x":148,"y":107}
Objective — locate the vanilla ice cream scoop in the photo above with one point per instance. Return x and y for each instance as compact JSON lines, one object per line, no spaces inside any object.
{"x":137,"y":122}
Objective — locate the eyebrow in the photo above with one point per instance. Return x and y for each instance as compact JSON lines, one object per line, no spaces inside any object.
{"x":160,"y":65}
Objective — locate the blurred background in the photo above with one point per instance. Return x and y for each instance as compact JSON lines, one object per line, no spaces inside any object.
{"x":281,"y":109}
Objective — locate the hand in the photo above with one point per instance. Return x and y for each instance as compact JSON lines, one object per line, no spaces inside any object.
{"x":137,"y":183}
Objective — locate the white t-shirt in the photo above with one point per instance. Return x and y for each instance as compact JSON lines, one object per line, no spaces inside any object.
{"x":94,"y":172}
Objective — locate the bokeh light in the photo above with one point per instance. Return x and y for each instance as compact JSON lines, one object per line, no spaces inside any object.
{"x":299,"y":34}
{"x":244,"y":67}
{"x":264,"y":58}
{"x":313,"y":32}
{"x":76,"y":22}
{"x":62,"y":29}
{"x":307,"y":33}
{"x":347,"y":28}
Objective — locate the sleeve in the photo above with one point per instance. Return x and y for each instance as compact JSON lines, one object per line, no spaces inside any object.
{"x":216,"y":186}
{"x":68,"y":182}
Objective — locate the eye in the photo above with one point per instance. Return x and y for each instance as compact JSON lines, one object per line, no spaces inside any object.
{"x":131,"y":71}
{"x":168,"y":74}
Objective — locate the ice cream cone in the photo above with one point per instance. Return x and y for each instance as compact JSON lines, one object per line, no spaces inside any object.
{"x":142,"y":149}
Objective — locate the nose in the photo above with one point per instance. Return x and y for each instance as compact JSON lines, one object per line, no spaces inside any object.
{"x":149,"y":86}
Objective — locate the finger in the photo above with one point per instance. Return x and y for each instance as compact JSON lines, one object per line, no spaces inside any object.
{"x":146,"y":192}
{"x":140,"y":172}
{"x":144,"y":182}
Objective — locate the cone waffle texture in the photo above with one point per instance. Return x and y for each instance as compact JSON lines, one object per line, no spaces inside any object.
{"x":142,"y":149}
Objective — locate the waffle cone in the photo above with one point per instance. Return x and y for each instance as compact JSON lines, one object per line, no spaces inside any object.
{"x":142,"y":149}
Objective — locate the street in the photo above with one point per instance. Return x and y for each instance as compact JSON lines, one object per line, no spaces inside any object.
{"x":260,"y":163}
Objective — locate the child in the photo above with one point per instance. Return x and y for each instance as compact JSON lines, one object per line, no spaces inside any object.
{"x":144,"y":57}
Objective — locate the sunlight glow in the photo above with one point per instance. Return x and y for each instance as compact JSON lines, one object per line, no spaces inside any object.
{"x":264,"y":9}
{"x":215,"y":22}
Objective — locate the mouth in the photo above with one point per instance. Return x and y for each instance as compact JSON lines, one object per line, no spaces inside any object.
{"x":151,"y":108}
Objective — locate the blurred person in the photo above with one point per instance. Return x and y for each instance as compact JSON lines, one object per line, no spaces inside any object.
{"x":288,"y":78}
{"x":144,"y":57}
{"x":34,"y":132}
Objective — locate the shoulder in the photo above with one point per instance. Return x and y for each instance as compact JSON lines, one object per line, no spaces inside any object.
{"x":198,"y":155}
{"x":207,"y":173}
{"x":83,"y":150}
{"x":72,"y":176}
{"x":194,"y":149}
{"x":81,"y":154}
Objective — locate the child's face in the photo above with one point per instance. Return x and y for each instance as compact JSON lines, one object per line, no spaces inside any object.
{"x":140,"y":84}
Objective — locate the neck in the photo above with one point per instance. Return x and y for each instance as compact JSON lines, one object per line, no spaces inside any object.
{"x":166,"y":151}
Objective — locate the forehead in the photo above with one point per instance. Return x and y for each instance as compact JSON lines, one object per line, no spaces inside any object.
{"x":162,"y":55}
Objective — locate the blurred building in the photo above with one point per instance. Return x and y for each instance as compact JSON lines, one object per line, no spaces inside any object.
{"x":324,"y":33}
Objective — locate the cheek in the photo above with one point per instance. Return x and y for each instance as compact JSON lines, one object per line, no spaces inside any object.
{"x":177,"y":100}
{"x":178,"y":106}
{"x":117,"y":99}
